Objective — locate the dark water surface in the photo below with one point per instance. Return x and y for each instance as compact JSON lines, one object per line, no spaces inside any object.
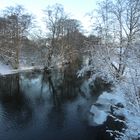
{"x":44,"y":106}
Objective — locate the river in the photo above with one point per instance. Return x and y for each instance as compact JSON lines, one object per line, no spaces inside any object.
{"x":46,"y":106}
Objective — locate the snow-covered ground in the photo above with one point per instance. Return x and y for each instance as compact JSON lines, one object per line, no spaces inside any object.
{"x":6,"y":69}
{"x":102,"y":108}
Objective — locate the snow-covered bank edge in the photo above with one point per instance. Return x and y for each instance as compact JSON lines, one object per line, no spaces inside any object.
{"x":7,"y":70}
{"x":102,"y":108}
{"x":117,"y":100}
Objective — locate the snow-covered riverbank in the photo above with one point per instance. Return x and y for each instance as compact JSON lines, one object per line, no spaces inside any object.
{"x":122,"y":107}
{"x":6,"y":69}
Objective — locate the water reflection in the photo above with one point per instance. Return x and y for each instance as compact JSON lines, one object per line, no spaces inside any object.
{"x":56,"y":122}
{"x":9,"y":84}
{"x":63,"y":85}
{"x":45,"y":105}
{"x":13,"y":102}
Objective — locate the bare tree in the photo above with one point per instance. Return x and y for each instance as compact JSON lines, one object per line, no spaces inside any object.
{"x":53,"y":15}
{"x":127,"y":14}
{"x":16,"y":26}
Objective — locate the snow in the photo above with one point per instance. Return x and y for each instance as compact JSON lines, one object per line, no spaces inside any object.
{"x":5,"y":69}
{"x":114,"y":97}
{"x":132,"y":122}
{"x":99,"y":116}
{"x":81,"y":72}
{"x":131,"y":111}
{"x":85,"y":88}
{"x":115,"y":64}
{"x":102,"y":108}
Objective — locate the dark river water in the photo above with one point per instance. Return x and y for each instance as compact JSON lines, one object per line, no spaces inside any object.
{"x":46,"y":106}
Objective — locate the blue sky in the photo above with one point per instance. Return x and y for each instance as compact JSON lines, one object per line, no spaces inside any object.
{"x":76,"y":8}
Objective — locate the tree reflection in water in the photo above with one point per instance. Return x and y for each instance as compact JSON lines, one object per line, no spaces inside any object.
{"x":13,"y":102}
{"x":46,"y":105}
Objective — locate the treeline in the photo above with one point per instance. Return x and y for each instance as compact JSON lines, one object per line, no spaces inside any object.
{"x":116,"y":29}
{"x":117,"y":24}
{"x":63,"y":42}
